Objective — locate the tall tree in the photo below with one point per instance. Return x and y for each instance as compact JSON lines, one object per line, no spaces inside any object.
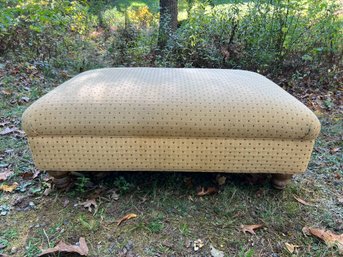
{"x":168,"y":21}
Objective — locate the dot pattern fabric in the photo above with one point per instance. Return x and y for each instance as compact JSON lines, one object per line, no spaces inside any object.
{"x":95,"y":153}
{"x":170,"y":120}
{"x":165,"y":102}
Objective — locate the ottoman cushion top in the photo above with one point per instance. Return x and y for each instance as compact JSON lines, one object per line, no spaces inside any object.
{"x":170,"y":102}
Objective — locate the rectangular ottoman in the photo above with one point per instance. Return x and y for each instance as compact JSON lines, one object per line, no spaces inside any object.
{"x":169,"y":119}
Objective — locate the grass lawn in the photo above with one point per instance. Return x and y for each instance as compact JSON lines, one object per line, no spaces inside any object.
{"x":170,"y":215}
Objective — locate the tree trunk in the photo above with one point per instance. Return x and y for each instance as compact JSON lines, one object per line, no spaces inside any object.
{"x":168,"y":21}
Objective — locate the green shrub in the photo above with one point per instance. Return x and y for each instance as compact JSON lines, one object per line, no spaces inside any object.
{"x":258,"y":35}
{"x":37,"y":29}
{"x":112,"y":18}
{"x":302,"y":37}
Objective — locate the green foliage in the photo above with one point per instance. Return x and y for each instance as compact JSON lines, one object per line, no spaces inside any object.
{"x":122,"y":185}
{"x":112,"y":18}
{"x":45,"y":27}
{"x":184,"y":229}
{"x":260,"y":35}
{"x":89,"y":224}
{"x":32,"y":249}
{"x":82,"y":183}
{"x":302,"y":37}
{"x":249,"y":253}
{"x":156,"y":224}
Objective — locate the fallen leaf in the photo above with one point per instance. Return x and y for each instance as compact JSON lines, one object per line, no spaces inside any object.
{"x":198,"y":244}
{"x":290,"y":247}
{"x":335,"y":150}
{"x":2,"y":124}
{"x":35,"y":174}
{"x":48,"y":190}
{"x":250,"y":228}
{"x":113,"y":195}
{"x":188,"y":243}
{"x":8,"y":130}
{"x":89,"y":204}
{"x":25,"y":99}
{"x":126,"y":217}
{"x":81,"y":248}
{"x":5,"y":92}
{"x":27,"y":175}
{"x":9,"y":189}
{"x":221,"y":180}
{"x":208,"y":191}
{"x":302,"y":201}
{"x":65,"y":203}
{"x":30,"y":175}
{"x":4,"y":175}
{"x":330,"y":239}
{"x":215,"y":252}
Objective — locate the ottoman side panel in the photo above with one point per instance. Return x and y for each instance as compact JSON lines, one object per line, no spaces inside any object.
{"x":94,"y":153}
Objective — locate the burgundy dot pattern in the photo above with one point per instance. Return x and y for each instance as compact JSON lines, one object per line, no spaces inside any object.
{"x":170,"y":119}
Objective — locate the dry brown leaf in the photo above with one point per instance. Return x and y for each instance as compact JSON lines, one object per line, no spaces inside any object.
{"x":89,"y":204}
{"x":250,"y":228}
{"x":198,"y":244}
{"x":327,"y":236}
{"x":126,"y":217}
{"x":302,"y":201}
{"x":208,"y":191}
{"x":215,"y":252}
{"x":8,"y":130}
{"x":221,"y":180}
{"x":4,"y":175}
{"x":81,"y":249}
{"x":48,"y":190}
{"x":291,"y":247}
{"x":335,"y":150}
{"x":5,"y":92}
{"x":9,"y":189}
{"x":35,"y":174}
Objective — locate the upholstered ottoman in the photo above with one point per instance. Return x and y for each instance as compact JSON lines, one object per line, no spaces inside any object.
{"x":161,"y":119}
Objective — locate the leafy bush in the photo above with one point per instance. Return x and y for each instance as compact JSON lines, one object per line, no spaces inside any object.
{"x":112,"y":18}
{"x":133,"y":43}
{"x":141,"y":16}
{"x":259,"y":35}
{"x":44,"y":28}
{"x":302,"y":38}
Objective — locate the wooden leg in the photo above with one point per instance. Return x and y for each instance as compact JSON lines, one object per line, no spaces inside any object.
{"x":61,"y":178}
{"x":280,"y":181}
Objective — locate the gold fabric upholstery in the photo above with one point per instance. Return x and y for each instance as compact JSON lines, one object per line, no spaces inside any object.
{"x":170,"y":119}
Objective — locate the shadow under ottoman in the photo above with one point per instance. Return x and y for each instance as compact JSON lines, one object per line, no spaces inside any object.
{"x":168,"y":119}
